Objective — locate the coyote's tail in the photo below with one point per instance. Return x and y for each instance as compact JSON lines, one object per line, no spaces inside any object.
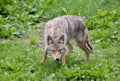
{"x":90,"y":46}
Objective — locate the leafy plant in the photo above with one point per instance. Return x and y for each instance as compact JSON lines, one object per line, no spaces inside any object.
{"x":21,"y":30}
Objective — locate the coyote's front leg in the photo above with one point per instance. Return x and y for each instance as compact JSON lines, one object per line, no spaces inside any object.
{"x":68,"y":50}
{"x":64,"y":59}
{"x":44,"y":56}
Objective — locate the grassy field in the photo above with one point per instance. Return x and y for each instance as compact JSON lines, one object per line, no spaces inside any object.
{"x":21,"y":44}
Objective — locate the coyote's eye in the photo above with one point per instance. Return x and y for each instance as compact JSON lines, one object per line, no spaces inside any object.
{"x":59,"y":49}
{"x":53,"y":50}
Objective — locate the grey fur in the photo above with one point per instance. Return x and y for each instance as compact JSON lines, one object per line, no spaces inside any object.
{"x":70,"y":27}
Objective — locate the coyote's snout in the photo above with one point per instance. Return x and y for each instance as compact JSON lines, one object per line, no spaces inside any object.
{"x":59,"y":31}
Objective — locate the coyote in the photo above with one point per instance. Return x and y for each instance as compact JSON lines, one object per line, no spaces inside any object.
{"x":59,"y":31}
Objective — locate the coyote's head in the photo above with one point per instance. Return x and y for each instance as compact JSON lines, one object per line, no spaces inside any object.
{"x":56,"y":47}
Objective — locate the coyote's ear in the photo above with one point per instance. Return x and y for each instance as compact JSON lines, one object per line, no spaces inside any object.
{"x":61,"y":39}
{"x":49,"y":40}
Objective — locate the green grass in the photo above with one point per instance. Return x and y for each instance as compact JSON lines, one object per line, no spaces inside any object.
{"x":21,"y":30}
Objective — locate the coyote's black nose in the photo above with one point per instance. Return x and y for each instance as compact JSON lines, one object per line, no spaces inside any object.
{"x":57,"y":59}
